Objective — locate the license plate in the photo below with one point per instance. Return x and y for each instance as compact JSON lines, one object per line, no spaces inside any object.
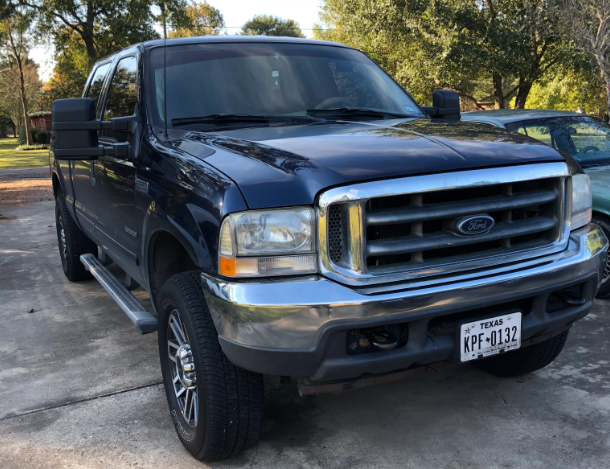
{"x":486,"y":337}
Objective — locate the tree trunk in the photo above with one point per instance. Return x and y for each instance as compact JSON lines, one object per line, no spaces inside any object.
{"x":87,"y":34}
{"x":524,"y":90}
{"x":24,"y":104}
{"x":498,"y":93}
{"x":26,"y":118}
{"x":604,"y":66}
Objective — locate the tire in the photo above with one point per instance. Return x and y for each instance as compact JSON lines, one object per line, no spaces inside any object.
{"x":525,"y":360}
{"x":221,"y":414}
{"x":604,"y":289}
{"x":72,"y":242}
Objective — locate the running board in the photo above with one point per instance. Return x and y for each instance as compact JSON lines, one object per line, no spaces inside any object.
{"x":143,"y":319}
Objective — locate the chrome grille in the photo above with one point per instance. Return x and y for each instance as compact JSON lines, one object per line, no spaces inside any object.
{"x":415,"y":230}
{"x":401,"y":229}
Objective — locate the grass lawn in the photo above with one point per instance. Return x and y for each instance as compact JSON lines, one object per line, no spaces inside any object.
{"x":9,"y":158}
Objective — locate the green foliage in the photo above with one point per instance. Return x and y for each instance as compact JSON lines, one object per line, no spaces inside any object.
{"x":202,"y":19}
{"x":84,"y":32}
{"x":42,"y":137}
{"x":458,"y":44}
{"x":569,"y":89}
{"x":268,"y":25}
{"x":36,"y":146}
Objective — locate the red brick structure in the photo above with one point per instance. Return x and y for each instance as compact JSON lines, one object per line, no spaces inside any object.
{"x":41,"y":120}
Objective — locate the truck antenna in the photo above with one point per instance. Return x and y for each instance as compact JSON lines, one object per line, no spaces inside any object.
{"x":165,"y":85}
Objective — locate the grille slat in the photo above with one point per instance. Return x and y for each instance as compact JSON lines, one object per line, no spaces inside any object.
{"x":440,"y":240}
{"x":460,"y":208}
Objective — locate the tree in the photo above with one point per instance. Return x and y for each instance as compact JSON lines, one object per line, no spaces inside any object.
{"x":458,"y":44}
{"x":204,"y":20}
{"x":85,"y":31}
{"x":10,"y":96}
{"x":268,"y":25}
{"x":16,"y":42}
{"x":570,"y":88}
{"x":103,"y":25}
{"x":588,"y":22}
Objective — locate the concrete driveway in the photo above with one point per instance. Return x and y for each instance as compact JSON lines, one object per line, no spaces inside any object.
{"x":79,"y":388}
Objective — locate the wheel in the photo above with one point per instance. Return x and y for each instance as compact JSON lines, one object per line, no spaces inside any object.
{"x":216,"y":407}
{"x":524,"y":360}
{"x":72,"y":242}
{"x":604,"y":289}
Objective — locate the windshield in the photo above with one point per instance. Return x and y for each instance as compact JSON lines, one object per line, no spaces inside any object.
{"x":267,"y":79}
{"x":585,"y":138}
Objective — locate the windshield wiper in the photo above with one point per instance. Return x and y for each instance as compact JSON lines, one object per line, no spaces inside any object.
{"x":355,"y":112}
{"x":241,"y":118}
{"x":215,"y":118}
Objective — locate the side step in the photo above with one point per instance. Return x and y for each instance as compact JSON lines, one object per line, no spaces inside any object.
{"x":143,"y":319}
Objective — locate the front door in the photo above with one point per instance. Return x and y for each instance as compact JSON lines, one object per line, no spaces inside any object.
{"x":119,"y":224}
{"x":84,"y":172}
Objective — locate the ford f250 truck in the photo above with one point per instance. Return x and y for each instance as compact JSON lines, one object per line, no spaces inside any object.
{"x":292,"y":211}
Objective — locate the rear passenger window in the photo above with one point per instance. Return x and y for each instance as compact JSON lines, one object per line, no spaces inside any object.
{"x":123,"y":92}
{"x":95,"y":87}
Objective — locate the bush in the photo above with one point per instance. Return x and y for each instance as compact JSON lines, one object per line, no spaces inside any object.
{"x":37,"y":146}
{"x":42,"y":137}
{"x":21,"y":133}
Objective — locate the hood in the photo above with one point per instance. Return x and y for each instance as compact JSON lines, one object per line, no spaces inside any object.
{"x":290,"y":165}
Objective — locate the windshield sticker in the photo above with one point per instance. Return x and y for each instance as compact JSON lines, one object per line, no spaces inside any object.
{"x":275,"y":75}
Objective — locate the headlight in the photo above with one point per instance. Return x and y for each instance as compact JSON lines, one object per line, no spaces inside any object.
{"x":581,"y":200}
{"x":267,"y":243}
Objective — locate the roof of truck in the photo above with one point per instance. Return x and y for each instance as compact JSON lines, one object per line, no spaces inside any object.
{"x":222,"y":40}
{"x":237,"y":39}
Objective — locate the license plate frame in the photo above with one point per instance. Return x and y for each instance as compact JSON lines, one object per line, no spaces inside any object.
{"x":471,"y":348}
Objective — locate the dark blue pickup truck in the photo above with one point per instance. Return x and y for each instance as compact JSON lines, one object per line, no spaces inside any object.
{"x":292,"y":211}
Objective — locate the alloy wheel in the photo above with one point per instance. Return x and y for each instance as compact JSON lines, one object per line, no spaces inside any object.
{"x":184,"y":378}
{"x":62,"y":238}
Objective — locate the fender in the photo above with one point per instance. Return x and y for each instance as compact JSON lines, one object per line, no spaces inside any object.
{"x":62,"y":170}
{"x":187,"y":199}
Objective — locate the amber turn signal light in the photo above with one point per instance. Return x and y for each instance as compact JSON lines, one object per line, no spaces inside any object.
{"x":227,"y":267}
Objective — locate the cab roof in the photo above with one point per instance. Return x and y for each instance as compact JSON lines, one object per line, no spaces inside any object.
{"x":221,"y":40}
{"x":238,"y":39}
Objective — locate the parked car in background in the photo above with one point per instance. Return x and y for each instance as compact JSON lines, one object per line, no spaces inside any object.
{"x":584,"y":138}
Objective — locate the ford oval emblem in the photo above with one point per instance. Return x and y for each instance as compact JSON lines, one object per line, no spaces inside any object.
{"x":475,"y":225}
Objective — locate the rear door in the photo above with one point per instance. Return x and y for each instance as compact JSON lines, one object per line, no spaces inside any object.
{"x":85,"y":173}
{"x":118,"y":219}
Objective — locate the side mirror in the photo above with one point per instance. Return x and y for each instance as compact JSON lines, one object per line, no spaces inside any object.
{"x":445,"y":105}
{"x":74,"y":131}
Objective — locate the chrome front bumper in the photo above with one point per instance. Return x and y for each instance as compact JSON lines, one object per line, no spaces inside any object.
{"x":294,"y":315}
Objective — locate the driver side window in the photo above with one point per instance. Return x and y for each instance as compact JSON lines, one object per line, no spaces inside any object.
{"x":122,"y":94}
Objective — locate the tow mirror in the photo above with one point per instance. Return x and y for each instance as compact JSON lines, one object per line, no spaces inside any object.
{"x":74,"y":131}
{"x":445,"y":106}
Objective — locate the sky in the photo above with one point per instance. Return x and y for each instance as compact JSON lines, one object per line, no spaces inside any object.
{"x":235,"y":12}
